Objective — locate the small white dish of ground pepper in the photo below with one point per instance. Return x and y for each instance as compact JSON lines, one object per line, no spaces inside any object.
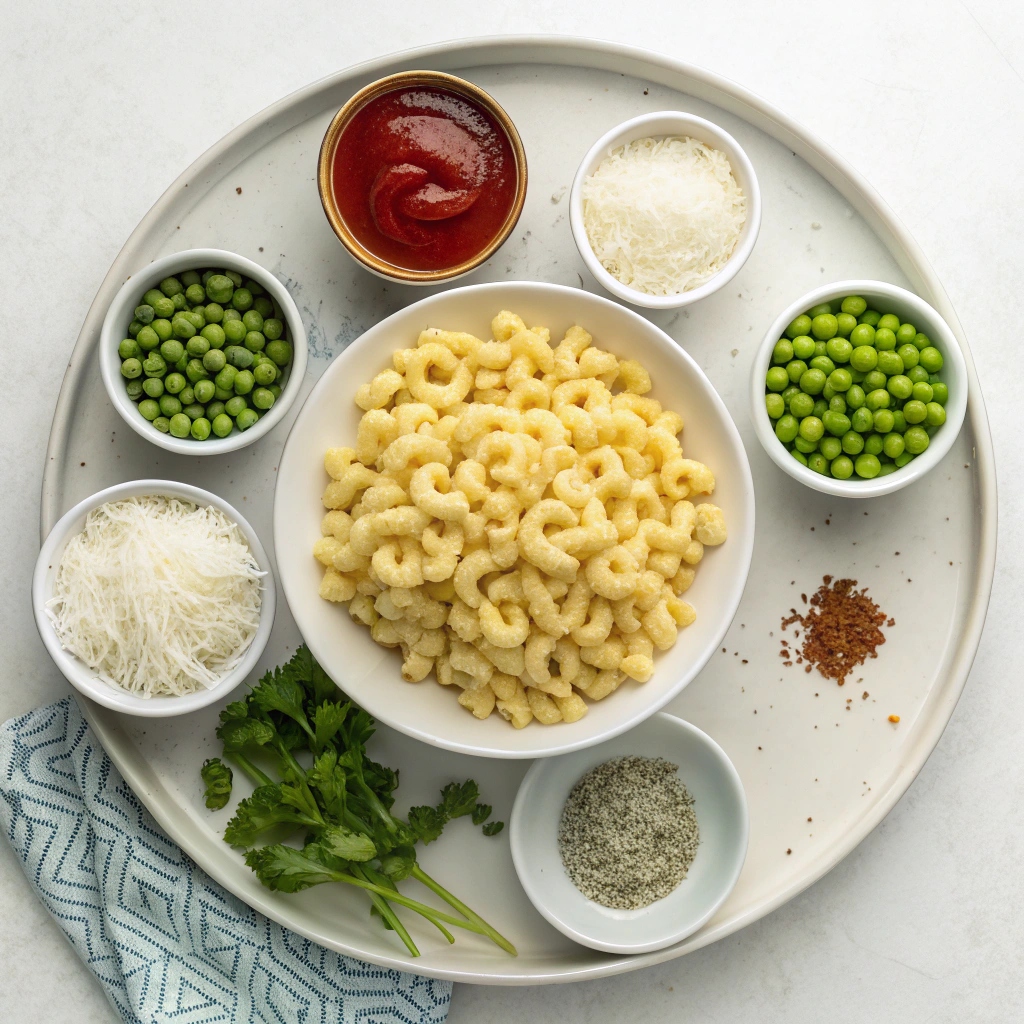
{"x":631,"y":845}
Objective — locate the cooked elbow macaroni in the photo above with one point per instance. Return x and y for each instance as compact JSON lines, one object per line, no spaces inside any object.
{"x":517,"y":519}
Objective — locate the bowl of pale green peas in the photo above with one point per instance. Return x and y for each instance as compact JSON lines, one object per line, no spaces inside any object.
{"x":858,"y":389}
{"x":202,"y":352}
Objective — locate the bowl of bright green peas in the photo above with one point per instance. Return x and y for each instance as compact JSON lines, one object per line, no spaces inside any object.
{"x":858,"y":389}
{"x":202,"y":352}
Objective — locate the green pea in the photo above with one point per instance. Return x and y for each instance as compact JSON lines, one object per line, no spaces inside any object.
{"x":241,"y":299}
{"x":811,"y":428}
{"x":889,"y":322}
{"x":931,"y":359}
{"x":195,"y":371}
{"x":870,"y":317}
{"x":266,"y":373}
{"x":821,"y":348}
{"x":154,"y":365}
{"x":904,"y":459}
{"x":776,"y":379}
{"x":867,"y":466}
{"x":854,"y":305}
{"x":144,"y":313}
{"x":874,"y":380}
{"x":877,"y":399}
{"x":883,"y":421}
{"x":822,"y":363}
{"x":890,"y":363}
{"x":885,"y":340}
{"x":179,"y":303}
{"x":801,"y":405}
{"x":195,"y":294}
{"x":172,"y":350}
{"x":180,"y":425}
{"x":773,"y":403}
{"x":864,"y":358}
{"x":222,"y":425}
{"x":182,"y":327}
{"x":262,"y":304}
{"x":846,"y":324}
{"x":840,"y":379}
{"x":214,"y":313}
{"x":200,"y":429}
{"x":887,"y":468}
{"x":796,"y":368}
{"x":149,"y":409}
{"x":909,"y":355}
{"x":170,"y":286}
{"x":205,"y":276}
{"x":822,"y":309}
{"x":915,"y":412}
{"x":187,"y":395}
{"x":233,"y":406}
{"x":275,"y":390}
{"x":247,"y":417}
{"x":803,"y":445}
{"x":163,"y":329}
{"x":787,"y":395}
{"x":801,"y":325}
{"x":836,"y":423}
{"x":220,"y":288}
{"x":231,"y":315}
{"x":862,"y":335}
{"x":244,"y":382}
{"x":799,"y":456}
{"x":213,"y":410}
{"x":226,"y":378}
{"x":841,"y":468}
{"x":153,"y":386}
{"x":214,"y":361}
{"x":916,"y":439}
{"x":824,"y":326}
{"x":169,"y":405}
{"x":204,"y":390}
{"x":194,"y":411}
{"x":786,"y":428}
{"x":134,"y":389}
{"x":234,"y":331}
{"x":855,"y":396}
{"x":274,"y":329}
{"x":189,"y":278}
{"x":239,"y":357}
{"x":223,"y":394}
{"x":264,"y":399}
{"x":921,"y":341}
{"x":182,"y":364}
{"x":853,"y":443}
{"x":164,"y":307}
{"x":936,"y":415}
{"x":153,"y":296}
{"x":195,"y":318}
{"x":873,"y":444}
{"x":828,"y":392}
{"x":174,"y":383}
{"x":162,"y":423}
{"x":830,"y":447}
{"x":839,"y":350}
{"x":782,"y":353}
{"x":147,"y":339}
{"x":254,"y":341}
{"x":940,"y":393}
{"x":906,"y":333}
{"x":128,"y":349}
{"x":899,"y":423}
{"x":281,"y":352}
{"x":818,"y":463}
{"x":236,"y":278}
{"x":918,"y":374}
{"x":862,"y":420}
{"x":214,"y":335}
{"x":253,"y":321}
{"x":197,"y":347}
{"x":133,"y":328}
{"x":820,"y":407}
{"x":899,"y":386}
{"x":893,"y":445}
{"x":811,"y":382}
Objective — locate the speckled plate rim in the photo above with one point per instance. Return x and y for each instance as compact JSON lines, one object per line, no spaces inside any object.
{"x":568,"y":51}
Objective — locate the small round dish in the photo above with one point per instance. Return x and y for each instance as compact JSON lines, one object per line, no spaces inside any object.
{"x":325,"y":175}
{"x":660,"y":124}
{"x":119,"y":315}
{"x":887,"y":298}
{"x":85,"y":679}
{"x":721,"y":808}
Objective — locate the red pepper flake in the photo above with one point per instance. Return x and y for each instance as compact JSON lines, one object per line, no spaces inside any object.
{"x":842,"y":628}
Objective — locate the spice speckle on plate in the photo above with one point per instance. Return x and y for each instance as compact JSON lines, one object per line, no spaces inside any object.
{"x":628,"y":832}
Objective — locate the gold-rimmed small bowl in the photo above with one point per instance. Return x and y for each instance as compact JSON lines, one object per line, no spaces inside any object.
{"x":325,"y":175}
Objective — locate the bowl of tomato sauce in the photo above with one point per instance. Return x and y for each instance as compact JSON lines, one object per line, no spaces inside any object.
{"x":422,"y":176}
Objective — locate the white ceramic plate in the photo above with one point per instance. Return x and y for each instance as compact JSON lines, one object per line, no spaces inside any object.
{"x":371,"y":674}
{"x":799,"y":756}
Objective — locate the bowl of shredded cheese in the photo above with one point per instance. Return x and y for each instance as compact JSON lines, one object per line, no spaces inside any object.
{"x":665,"y":209}
{"x":154,"y":598}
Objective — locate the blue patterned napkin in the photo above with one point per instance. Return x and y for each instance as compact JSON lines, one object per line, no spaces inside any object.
{"x":166,"y":942}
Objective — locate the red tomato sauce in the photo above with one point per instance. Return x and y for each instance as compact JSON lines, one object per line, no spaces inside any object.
{"x":424,"y":178}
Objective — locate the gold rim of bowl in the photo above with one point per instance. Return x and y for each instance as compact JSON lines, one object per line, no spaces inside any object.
{"x":325,"y":176}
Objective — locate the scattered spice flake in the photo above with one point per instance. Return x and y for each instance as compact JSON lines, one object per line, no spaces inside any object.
{"x":841,"y":628}
{"x":789,"y":851}
{"x":894,"y":719}
{"x":239,"y":190}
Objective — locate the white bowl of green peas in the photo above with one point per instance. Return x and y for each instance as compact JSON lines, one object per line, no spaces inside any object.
{"x":202,"y":352}
{"x":858,"y":389}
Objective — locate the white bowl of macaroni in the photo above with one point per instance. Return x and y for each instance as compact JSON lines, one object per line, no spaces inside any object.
{"x":526,"y":493}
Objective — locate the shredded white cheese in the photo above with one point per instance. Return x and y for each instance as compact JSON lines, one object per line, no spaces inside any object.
{"x":160,"y":597}
{"x":663,"y":215}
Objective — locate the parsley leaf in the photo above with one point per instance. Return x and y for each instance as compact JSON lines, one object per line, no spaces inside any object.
{"x":492,"y":828}
{"x":217,"y":777}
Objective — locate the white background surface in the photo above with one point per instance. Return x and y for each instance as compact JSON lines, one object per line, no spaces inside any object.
{"x":103,"y":104}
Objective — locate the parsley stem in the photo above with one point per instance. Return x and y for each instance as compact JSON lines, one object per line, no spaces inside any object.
{"x":260,"y":778}
{"x":385,"y":911}
{"x":435,"y":887}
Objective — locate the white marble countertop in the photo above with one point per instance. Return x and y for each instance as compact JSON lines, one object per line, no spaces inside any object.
{"x":925,"y":97}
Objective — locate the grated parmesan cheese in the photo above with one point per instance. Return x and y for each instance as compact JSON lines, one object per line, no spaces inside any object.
{"x":159,"y":596}
{"x":663,"y":215}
